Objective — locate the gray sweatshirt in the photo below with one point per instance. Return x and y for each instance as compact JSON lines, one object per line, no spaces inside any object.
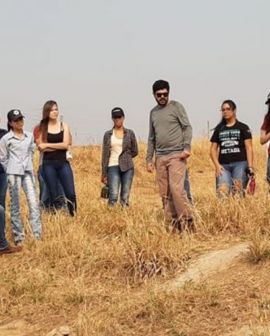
{"x":169,"y":130}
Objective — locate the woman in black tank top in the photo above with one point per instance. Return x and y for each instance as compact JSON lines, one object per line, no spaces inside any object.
{"x":54,"y":141}
{"x":56,"y":138}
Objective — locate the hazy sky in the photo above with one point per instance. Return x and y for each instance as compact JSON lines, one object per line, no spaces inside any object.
{"x":93,"y":55}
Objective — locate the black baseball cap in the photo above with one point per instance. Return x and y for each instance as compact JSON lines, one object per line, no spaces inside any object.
{"x":14,"y":115}
{"x":117,"y":112}
{"x":268,"y":99}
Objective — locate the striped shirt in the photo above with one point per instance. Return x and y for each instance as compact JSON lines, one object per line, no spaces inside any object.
{"x":16,"y":153}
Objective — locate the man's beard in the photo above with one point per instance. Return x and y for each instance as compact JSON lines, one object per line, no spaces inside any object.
{"x":162,"y":102}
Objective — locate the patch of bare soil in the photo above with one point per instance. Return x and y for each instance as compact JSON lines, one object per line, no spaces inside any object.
{"x":208,"y":264}
{"x":16,"y":328}
{"x":22,"y":328}
{"x":232,"y":302}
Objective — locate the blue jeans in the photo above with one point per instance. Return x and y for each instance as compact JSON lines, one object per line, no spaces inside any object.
{"x":27,"y":182}
{"x":3,"y":241}
{"x":44,"y":194}
{"x":117,"y":178}
{"x":54,"y":171}
{"x":233,"y":178}
{"x":3,"y":189}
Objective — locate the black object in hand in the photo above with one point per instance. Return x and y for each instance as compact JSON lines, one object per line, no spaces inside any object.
{"x":104,"y":192}
{"x":249,"y":172}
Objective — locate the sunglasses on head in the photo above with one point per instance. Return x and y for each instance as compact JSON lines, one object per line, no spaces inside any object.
{"x":162,"y":94}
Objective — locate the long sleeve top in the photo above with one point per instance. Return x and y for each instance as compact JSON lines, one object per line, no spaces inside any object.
{"x":16,"y":153}
{"x":129,"y":151}
{"x":169,"y":130}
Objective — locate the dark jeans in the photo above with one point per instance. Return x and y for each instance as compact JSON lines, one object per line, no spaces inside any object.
{"x":44,"y":194}
{"x":117,"y":178}
{"x":55,"y":170}
{"x":3,"y":188}
{"x":3,"y":241}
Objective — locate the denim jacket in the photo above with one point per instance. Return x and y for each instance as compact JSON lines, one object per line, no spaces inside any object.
{"x":129,"y":151}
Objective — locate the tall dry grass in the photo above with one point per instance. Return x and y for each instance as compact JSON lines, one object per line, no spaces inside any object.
{"x":96,"y":271}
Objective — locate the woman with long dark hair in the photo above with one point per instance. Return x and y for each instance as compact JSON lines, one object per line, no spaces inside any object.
{"x":54,"y":141}
{"x":265,"y":135}
{"x":231,"y":151}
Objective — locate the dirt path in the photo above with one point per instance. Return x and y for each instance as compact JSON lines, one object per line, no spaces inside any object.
{"x":22,"y":328}
{"x":203,"y":267}
{"x":16,"y":328}
{"x":251,"y":331}
{"x":206,"y":265}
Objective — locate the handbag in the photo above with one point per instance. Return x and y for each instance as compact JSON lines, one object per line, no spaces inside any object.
{"x":251,"y":186}
{"x":68,"y":155}
{"x":104,"y":192}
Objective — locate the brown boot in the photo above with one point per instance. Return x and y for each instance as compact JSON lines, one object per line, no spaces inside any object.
{"x":190,"y":225}
{"x":185,"y":225}
{"x":178,"y":225}
{"x":10,"y":249}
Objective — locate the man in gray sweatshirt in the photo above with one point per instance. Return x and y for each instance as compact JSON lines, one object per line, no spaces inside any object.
{"x":169,"y":139}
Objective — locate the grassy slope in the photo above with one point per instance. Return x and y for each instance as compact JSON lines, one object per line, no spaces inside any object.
{"x":96,"y":272}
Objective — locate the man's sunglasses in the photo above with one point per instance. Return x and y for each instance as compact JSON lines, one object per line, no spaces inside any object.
{"x":162,"y":94}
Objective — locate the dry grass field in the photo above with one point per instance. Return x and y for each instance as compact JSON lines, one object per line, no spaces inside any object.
{"x":100,"y":271}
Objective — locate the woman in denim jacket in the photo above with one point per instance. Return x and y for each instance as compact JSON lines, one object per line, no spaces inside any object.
{"x":118,"y":150}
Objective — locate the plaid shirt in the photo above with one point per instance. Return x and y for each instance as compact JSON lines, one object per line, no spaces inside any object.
{"x":129,"y":151}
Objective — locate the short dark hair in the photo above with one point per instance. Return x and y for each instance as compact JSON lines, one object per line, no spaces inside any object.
{"x":161,"y":85}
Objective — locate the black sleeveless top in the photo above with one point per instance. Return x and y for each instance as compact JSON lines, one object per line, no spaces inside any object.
{"x":58,"y":154}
